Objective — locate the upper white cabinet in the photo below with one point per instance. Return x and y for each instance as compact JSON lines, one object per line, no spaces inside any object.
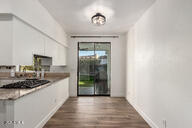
{"x":19,"y":42}
{"x":56,"y":51}
{"x":5,"y":42}
{"x":61,"y":55}
{"x":51,"y":49}
{"x":26,"y":42}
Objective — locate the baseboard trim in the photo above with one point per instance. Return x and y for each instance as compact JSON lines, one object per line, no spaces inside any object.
{"x":50,"y":114}
{"x":144,"y":115}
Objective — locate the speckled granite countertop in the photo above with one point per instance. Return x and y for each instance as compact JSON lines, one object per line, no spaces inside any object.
{"x":13,"y":94}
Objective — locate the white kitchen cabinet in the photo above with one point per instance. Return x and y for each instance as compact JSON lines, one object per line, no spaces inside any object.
{"x":65,"y":56}
{"x":56,"y":51}
{"x":5,"y":42}
{"x":26,"y":42}
{"x":36,"y":108}
{"x":61,"y":55}
{"x":47,"y":101}
{"x":51,"y":49}
{"x":19,"y":41}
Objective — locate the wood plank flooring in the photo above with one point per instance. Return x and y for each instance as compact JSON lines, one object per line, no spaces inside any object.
{"x":96,"y":112}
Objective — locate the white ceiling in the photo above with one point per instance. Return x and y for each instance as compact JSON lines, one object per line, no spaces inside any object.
{"x":75,"y":15}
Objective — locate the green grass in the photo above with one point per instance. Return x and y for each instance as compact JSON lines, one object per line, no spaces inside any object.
{"x":86,"y":83}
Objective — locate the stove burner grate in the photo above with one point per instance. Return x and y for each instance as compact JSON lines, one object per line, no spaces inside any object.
{"x":26,"y":84}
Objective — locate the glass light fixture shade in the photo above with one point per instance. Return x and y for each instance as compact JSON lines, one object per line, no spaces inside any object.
{"x":98,"y":19}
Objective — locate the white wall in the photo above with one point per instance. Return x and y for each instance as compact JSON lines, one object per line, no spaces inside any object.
{"x":117,"y":63}
{"x":159,"y":63}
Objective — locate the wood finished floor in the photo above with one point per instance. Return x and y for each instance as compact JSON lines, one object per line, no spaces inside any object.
{"x":96,"y":112}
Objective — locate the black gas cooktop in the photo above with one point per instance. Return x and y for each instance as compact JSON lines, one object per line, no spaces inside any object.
{"x":30,"y":83}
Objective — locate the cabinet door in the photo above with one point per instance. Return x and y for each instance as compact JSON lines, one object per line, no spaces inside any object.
{"x":65,"y":56}
{"x":51,"y":50}
{"x":56,"y":51}
{"x":63,"y":90}
{"x":26,"y":42}
{"x":6,"y":42}
{"x":62,"y":55}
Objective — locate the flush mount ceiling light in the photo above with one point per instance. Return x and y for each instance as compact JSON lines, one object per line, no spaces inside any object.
{"x":98,"y":19}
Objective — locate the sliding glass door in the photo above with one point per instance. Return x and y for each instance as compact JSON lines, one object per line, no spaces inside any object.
{"x":94,"y":66}
{"x":86,"y":69}
{"x":102,"y":68}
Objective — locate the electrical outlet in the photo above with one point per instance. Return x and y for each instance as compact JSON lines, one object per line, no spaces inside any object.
{"x":164,"y":124}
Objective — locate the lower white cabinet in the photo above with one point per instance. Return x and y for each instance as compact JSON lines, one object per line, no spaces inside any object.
{"x":35,"y":109}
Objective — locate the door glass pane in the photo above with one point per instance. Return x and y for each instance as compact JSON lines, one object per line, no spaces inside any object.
{"x":102,"y":68}
{"x":86,"y":69}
